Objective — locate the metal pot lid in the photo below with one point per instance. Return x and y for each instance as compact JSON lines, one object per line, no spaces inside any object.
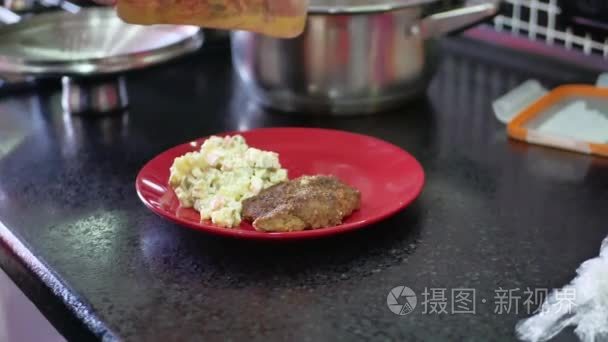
{"x":93,"y":41}
{"x":361,"y":6}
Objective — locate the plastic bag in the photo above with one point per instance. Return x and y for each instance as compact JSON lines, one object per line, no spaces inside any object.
{"x":278,"y":18}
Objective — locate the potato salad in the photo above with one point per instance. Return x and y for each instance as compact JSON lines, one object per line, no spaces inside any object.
{"x":225,"y":171}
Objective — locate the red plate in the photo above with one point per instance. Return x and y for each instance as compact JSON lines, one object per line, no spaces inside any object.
{"x":388,"y":177}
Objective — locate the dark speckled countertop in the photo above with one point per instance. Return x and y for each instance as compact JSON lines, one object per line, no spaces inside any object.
{"x":494,"y":214}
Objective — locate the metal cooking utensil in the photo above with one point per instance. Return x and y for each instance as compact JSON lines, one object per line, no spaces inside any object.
{"x":361,"y":6}
{"x":355,"y":56}
{"x":91,"y":43}
{"x":101,"y":95}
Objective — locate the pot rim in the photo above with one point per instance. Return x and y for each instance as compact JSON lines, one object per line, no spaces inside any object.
{"x":366,"y":8}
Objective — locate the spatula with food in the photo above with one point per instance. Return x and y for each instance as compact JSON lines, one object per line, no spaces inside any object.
{"x":278,"y":18}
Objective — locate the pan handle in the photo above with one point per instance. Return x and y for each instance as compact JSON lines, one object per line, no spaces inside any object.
{"x":63,"y":4}
{"x":8,"y":17}
{"x":458,"y":20}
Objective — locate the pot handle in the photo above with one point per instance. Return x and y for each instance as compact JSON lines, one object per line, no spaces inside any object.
{"x":458,"y":20}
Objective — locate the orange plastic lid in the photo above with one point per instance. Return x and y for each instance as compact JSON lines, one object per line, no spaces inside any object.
{"x":571,"y":117}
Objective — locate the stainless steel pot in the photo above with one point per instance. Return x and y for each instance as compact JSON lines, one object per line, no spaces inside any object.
{"x":351,"y":59}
